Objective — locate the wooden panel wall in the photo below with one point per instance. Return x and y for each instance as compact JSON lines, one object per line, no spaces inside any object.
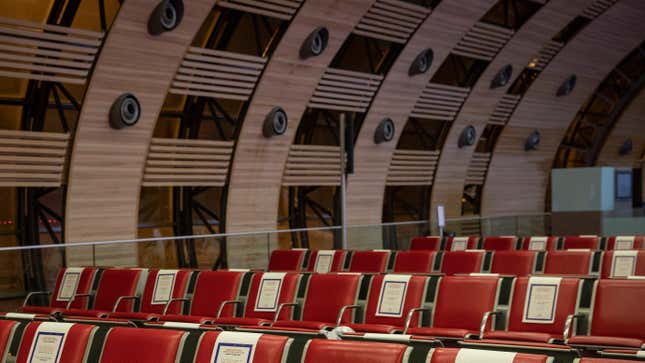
{"x":396,"y":99}
{"x":517,"y":180}
{"x":289,"y":82}
{"x":453,"y":169}
{"x":107,"y":165}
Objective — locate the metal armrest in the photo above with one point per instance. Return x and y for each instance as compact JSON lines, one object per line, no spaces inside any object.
{"x":69,"y":303}
{"x":227,"y":302}
{"x":343,"y":310}
{"x":121,"y":298}
{"x":569,"y":323}
{"x":182,"y":299}
{"x":411,"y":313}
{"x":277,"y":313}
{"x":482,"y":326}
{"x":35,"y":293}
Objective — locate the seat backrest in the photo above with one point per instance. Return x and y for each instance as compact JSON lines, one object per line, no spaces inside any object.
{"x":499,"y":243}
{"x":463,"y":300}
{"x":327,"y":294}
{"x":7,"y":334}
{"x":287,"y":260}
{"x":161,"y":286}
{"x":577,"y":242}
{"x":392,"y":296}
{"x":461,"y":243}
{"x":617,"y":310}
{"x":44,"y":341}
{"x":71,"y":281}
{"x":537,"y":243}
{"x":214,"y":287}
{"x":518,"y":263}
{"x":622,"y":263}
{"x":264,"y":287}
{"x":432,"y":243}
{"x":369,"y":261}
{"x":117,"y":282}
{"x":625,"y":243}
{"x":345,"y":351}
{"x":568,"y":262}
{"x":230,"y":346}
{"x":454,"y":355}
{"x":462,"y":262}
{"x":326,"y":260}
{"x":414,"y":261}
{"x":142,"y":345}
{"x":523,"y":318}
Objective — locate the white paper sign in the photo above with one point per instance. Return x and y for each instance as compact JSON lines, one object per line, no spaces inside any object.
{"x":164,"y":286}
{"x":484,"y":356}
{"x":235,"y":347}
{"x":48,"y":342}
{"x":541,"y":300}
{"x":324,"y":260}
{"x":178,"y":324}
{"x":537,"y":243}
{"x":69,"y":283}
{"x":20,"y":316}
{"x":459,"y":244}
{"x":623,"y":263}
{"x":392,"y":295}
{"x":269,"y":292}
{"x":624,"y":243}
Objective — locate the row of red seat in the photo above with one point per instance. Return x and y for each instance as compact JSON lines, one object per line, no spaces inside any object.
{"x":519,"y":263}
{"x":440,"y":307}
{"x":505,"y":243}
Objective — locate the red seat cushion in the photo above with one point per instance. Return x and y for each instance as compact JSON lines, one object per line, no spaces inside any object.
{"x":501,"y":243}
{"x":241,"y":321}
{"x":604,"y":360}
{"x":142,"y":346}
{"x":286,"y":260}
{"x":187,"y":318}
{"x":414,"y":262}
{"x":369,"y":261}
{"x":133,"y":315}
{"x":85,"y":313}
{"x":75,"y":346}
{"x":600,"y":341}
{"x":462,"y":262}
{"x":522,"y":336}
{"x":375,"y":328}
{"x":587,"y":242}
{"x":450,"y":355}
{"x":269,"y":348}
{"x":568,"y":263}
{"x":320,"y":350}
{"x":443,"y":332}
{"x":306,"y":324}
{"x":518,"y":263}
{"x":432,"y":243}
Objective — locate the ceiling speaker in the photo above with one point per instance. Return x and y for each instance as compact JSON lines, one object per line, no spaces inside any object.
{"x":384,"y":131}
{"x":166,"y":16}
{"x":125,"y":111}
{"x":502,"y":77}
{"x":315,"y":43}
{"x":626,"y":148}
{"x":467,"y":137}
{"x":567,"y":86}
{"x":275,"y":123}
{"x":532,"y":141}
{"x":421,"y":63}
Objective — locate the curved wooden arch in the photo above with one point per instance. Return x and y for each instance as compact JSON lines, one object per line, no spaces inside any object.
{"x":517,"y":180}
{"x":107,"y":165}
{"x":453,"y":168}
{"x":396,"y":98}
{"x":289,"y":82}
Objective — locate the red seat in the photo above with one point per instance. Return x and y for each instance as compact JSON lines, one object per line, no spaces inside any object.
{"x":452,"y":355}
{"x":75,"y":340}
{"x":461,"y":243}
{"x":153,"y":301}
{"x":336,"y":263}
{"x":264,"y":348}
{"x":7,"y":334}
{"x":369,"y":261}
{"x":500,"y":243}
{"x":540,"y":243}
{"x":568,"y":263}
{"x":142,"y":345}
{"x":432,"y":243}
{"x":625,"y":243}
{"x":212,"y":289}
{"x":114,"y":283}
{"x":77,"y":281}
{"x":622,"y":263}
{"x":287,"y":260}
{"x":326,"y":295}
{"x":256,"y":315}
{"x":384,"y":320}
{"x":535,"y":331}
{"x":321,"y":350}
{"x":617,"y":317}
{"x":462,"y":262}
{"x":518,"y":263}
{"x":581,"y":242}
{"x":461,"y":304}
{"x":414,"y":261}
{"x":604,"y":360}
